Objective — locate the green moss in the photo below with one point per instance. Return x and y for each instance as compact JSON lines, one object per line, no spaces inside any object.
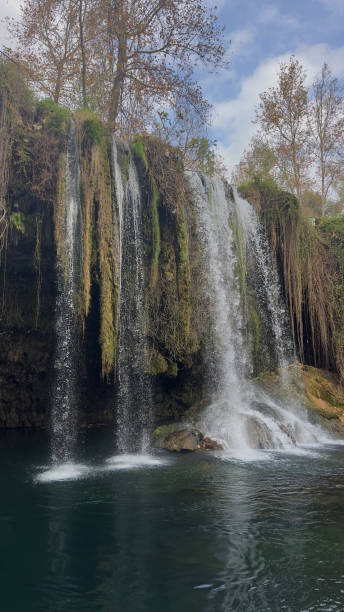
{"x":93,"y":132}
{"x":108,"y":290}
{"x":158,"y":364}
{"x":54,"y":117}
{"x":139,"y":153}
{"x":306,"y":273}
{"x":124,"y":158}
{"x":98,"y":235}
{"x":172,"y":370}
{"x":161,"y":433}
{"x":17,"y":220}
{"x":152,"y":237}
{"x":183,"y":277}
{"x":154,"y":202}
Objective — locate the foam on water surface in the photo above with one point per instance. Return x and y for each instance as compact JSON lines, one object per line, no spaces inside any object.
{"x":132,"y":462}
{"x":64,"y":471}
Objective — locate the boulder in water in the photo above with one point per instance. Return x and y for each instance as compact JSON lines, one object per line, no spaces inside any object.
{"x":182,"y":437}
{"x":184,"y":440}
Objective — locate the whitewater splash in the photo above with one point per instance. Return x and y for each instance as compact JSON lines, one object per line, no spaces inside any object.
{"x":240,"y":415}
{"x":63,"y":471}
{"x":134,"y":394}
{"x":131,"y":462}
{"x":75,"y":471}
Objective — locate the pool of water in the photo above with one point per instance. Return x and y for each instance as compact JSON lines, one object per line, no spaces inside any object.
{"x":191,"y":532}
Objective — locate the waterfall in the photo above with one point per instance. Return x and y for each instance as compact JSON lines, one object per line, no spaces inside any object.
{"x":269,"y":289}
{"x":64,"y":416}
{"x":240,"y":414}
{"x":119,"y":202}
{"x":134,"y":393}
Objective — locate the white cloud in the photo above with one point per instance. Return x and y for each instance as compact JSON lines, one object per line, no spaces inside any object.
{"x":240,"y":41}
{"x":270,"y":13}
{"x":233,"y":118}
{"x":335,"y":6}
{"x":313,"y":58}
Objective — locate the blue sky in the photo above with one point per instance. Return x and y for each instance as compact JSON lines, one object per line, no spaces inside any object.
{"x":262,"y":34}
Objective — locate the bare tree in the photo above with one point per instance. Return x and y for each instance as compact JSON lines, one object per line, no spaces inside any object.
{"x":144,"y":58}
{"x":326,"y":125}
{"x":48,"y":42}
{"x":126,"y":59}
{"x":282,"y":115}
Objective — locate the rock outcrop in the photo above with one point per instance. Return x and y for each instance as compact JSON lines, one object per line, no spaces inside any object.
{"x":317,"y":390}
{"x":181,"y":437}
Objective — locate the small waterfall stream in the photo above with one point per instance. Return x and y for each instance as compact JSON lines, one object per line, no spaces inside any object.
{"x":256,"y":242}
{"x":64,"y":416}
{"x":241,"y":415}
{"x":134,"y":394}
{"x":119,"y":204}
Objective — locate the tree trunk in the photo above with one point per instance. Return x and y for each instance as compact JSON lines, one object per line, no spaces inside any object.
{"x":83,"y":57}
{"x":118,"y":82}
{"x":58,"y":82}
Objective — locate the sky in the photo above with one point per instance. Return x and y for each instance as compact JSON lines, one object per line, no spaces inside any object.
{"x":262,"y":34}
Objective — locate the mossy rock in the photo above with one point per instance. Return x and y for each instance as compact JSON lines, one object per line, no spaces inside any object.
{"x":161,"y":433}
{"x":317,"y":390}
{"x":324,"y":394}
{"x":178,"y":437}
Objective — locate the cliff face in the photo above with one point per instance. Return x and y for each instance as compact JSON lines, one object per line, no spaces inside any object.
{"x":310,"y":264}
{"x":174,"y":325}
{"x":177,"y":326}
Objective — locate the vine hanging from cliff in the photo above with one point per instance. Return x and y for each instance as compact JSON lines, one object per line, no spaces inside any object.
{"x":307,"y":274}
{"x":167,"y":229}
{"x":98,"y":236}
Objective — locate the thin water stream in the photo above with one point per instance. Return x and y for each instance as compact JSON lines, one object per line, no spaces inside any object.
{"x":64,"y":403}
{"x":134,"y":402}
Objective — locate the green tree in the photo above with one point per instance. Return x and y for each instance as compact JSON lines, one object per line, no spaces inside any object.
{"x":258,"y":161}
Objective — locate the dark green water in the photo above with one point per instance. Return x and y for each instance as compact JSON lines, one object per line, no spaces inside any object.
{"x":194,"y":534}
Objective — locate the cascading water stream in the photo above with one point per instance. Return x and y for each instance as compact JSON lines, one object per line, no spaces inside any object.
{"x":119,"y":203}
{"x":241,"y":415}
{"x":64,"y":414}
{"x":256,"y":242}
{"x":227,"y":360}
{"x":134,"y":394}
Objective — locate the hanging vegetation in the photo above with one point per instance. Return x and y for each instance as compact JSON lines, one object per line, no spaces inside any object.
{"x":166,"y":239}
{"x":97,"y":234}
{"x":307,"y":271}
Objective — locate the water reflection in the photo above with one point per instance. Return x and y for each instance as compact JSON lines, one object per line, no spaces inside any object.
{"x":197,"y":533}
